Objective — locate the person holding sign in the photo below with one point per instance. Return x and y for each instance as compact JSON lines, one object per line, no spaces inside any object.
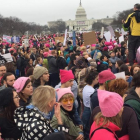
{"x":133,"y":23}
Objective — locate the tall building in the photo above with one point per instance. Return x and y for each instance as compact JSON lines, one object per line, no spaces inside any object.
{"x":81,"y":22}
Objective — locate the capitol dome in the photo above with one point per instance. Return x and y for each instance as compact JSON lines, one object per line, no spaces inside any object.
{"x":81,"y":13}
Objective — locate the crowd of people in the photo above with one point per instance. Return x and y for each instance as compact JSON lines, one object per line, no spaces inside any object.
{"x":51,"y":91}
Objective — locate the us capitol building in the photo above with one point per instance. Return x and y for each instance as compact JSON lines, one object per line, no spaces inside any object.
{"x":81,"y":22}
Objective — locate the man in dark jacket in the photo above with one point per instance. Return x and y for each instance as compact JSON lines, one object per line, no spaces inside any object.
{"x":53,"y":69}
{"x":133,"y":23}
{"x":61,"y":62}
{"x":21,"y":64}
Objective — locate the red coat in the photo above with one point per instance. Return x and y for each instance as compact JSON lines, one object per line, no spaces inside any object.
{"x":103,"y":134}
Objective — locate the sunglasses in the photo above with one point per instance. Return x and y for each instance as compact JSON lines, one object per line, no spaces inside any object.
{"x":66,"y":101}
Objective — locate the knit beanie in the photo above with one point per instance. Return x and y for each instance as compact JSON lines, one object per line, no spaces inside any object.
{"x":106,"y":75}
{"x":6,"y":97}
{"x":20,"y":83}
{"x":45,"y":54}
{"x":62,"y":91}
{"x":38,"y":72}
{"x":110,"y":103}
{"x":66,"y":75}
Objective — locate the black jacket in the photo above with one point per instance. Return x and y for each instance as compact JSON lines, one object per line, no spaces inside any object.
{"x":9,"y":129}
{"x":21,"y":63}
{"x":129,"y":123}
{"x":61,"y":63}
{"x":53,"y":68}
{"x":94,"y":102}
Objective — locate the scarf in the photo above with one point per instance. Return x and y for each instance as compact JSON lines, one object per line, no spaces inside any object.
{"x":70,"y":113}
{"x":46,"y":116}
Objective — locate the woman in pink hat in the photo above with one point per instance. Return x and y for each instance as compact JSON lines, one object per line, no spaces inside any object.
{"x":24,"y":89}
{"x":108,"y":121}
{"x":66,"y":100}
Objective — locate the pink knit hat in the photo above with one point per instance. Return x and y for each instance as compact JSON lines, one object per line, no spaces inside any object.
{"x":66,"y":75}
{"x":20,"y":83}
{"x":45,"y":54}
{"x":110,"y":48}
{"x":106,"y":75}
{"x":62,"y":91}
{"x":110,"y":103}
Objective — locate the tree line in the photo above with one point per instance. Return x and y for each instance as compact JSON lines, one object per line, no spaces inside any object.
{"x":15,"y":26}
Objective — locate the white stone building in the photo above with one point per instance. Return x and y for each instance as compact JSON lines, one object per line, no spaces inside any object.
{"x":81,"y":22}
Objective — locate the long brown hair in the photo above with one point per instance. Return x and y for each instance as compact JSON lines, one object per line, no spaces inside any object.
{"x":103,"y":121}
{"x":8,"y":111}
{"x":21,"y":95}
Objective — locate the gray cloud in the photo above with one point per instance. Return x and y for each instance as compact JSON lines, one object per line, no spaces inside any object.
{"x":42,"y":11}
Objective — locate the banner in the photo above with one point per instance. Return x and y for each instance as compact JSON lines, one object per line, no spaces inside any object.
{"x":15,"y":39}
{"x":74,"y":39}
{"x":7,"y":38}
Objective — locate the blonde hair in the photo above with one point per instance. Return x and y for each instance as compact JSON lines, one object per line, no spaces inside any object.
{"x":42,"y":96}
{"x":99,"y":55}
{"x":66,"y":96}
{"x":85,"y":53}
{"x":104,"y":121}
{"x":83,"y":48}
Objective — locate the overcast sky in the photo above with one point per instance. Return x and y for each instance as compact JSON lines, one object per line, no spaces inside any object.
{"x":42,"y":11}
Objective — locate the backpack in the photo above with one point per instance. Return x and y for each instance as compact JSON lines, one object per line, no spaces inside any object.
{"x":102,"y":128}
{"x":101,"y":66}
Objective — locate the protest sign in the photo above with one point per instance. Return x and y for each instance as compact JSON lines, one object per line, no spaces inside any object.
{"x":25,"y":42}
{"x":2,"y":60}
{"x":71,"y":34}
{"x":64,"y":43}
{"x":123,"y":32}
{"x":89,"y":38}
{"x":7,"y":38}
{"x":59,"y":39}
{"x":15,"y":39}
{"x":111,"y":30}
{"x":117,"y":34}
{"x":8,"y":57}
{"x":107,"y":36}
{"x":74,"y":38}
{"x":120,"y":75}
{"x":121,"y":38}
{"x":102,"y":32}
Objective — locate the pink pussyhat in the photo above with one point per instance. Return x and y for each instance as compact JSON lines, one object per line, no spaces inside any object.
{"x":108,"y":43}
{"x":47,"y":45}
{"x":93,"y":45}
{"x":50,"y":51}
{"x":20,"y":83}
{"x":110,"y":48}
{"x":62,"y":91}
{"x":110,"y":103}
{"x":45,"y":54}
